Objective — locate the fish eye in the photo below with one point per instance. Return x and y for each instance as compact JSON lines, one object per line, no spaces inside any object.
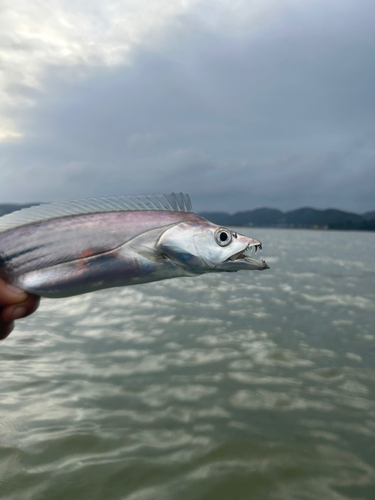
{"x":223,"y":236}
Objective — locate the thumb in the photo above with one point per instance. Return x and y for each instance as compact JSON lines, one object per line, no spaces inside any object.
{"x":9,"y":294}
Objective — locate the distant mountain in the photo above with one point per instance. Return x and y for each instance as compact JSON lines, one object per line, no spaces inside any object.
{"x":310,"y":218}
{"x":257,"y":217}
{"x":260,"y":217}
{"x":369,"y":215}
{"x":313,"y":217}
{"x":301,"y":218}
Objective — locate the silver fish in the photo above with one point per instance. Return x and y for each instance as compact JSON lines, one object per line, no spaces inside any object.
{"x":69,"y":248}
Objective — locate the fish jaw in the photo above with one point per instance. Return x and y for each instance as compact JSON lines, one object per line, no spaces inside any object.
{"x":244,"y":259}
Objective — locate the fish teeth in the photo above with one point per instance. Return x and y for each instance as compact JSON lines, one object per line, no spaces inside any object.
{"x":250,"y":247}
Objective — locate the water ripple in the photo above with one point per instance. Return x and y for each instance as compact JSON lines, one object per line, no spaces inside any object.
{"x":248,"y":385}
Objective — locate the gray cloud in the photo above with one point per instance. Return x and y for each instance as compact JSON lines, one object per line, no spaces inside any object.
{"x":277,"y":115}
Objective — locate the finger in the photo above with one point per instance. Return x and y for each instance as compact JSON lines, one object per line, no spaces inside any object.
{"x":5,"y":329}
{"x":20,"y":310}
{"x":9,"y":294}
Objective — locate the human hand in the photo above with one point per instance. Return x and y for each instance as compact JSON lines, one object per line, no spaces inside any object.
{"x":14,"y":304}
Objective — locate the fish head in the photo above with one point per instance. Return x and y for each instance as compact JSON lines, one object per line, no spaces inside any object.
{"x":201,"y":247}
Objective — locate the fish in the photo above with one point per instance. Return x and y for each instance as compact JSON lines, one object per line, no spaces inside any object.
{"x":74,"y":247}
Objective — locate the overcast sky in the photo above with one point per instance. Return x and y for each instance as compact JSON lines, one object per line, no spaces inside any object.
{"x":240,"y":103}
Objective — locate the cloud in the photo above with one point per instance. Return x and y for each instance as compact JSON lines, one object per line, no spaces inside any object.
{"x":241,"y":105}
{"x":35,"y":35}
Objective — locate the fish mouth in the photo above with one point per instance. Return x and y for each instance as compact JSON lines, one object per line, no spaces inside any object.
{"x":245,"y":260}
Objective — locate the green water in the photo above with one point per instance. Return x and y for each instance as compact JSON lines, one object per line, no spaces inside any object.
{"x":255,"y":385}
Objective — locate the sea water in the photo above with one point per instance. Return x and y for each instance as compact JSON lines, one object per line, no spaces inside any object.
{"x":249,"y":385}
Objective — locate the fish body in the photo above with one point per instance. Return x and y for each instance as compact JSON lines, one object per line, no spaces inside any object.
{"x":69,"y":248}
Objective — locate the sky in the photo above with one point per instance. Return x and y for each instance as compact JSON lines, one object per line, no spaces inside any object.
{"x":242,"y":104}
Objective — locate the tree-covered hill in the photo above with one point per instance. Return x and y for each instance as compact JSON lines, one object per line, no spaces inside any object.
{"x":300,"y":218}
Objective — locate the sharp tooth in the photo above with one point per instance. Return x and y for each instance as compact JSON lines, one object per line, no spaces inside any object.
{"x":256,"y":249}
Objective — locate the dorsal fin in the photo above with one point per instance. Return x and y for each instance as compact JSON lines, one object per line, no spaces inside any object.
{"x":161,"y":203}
